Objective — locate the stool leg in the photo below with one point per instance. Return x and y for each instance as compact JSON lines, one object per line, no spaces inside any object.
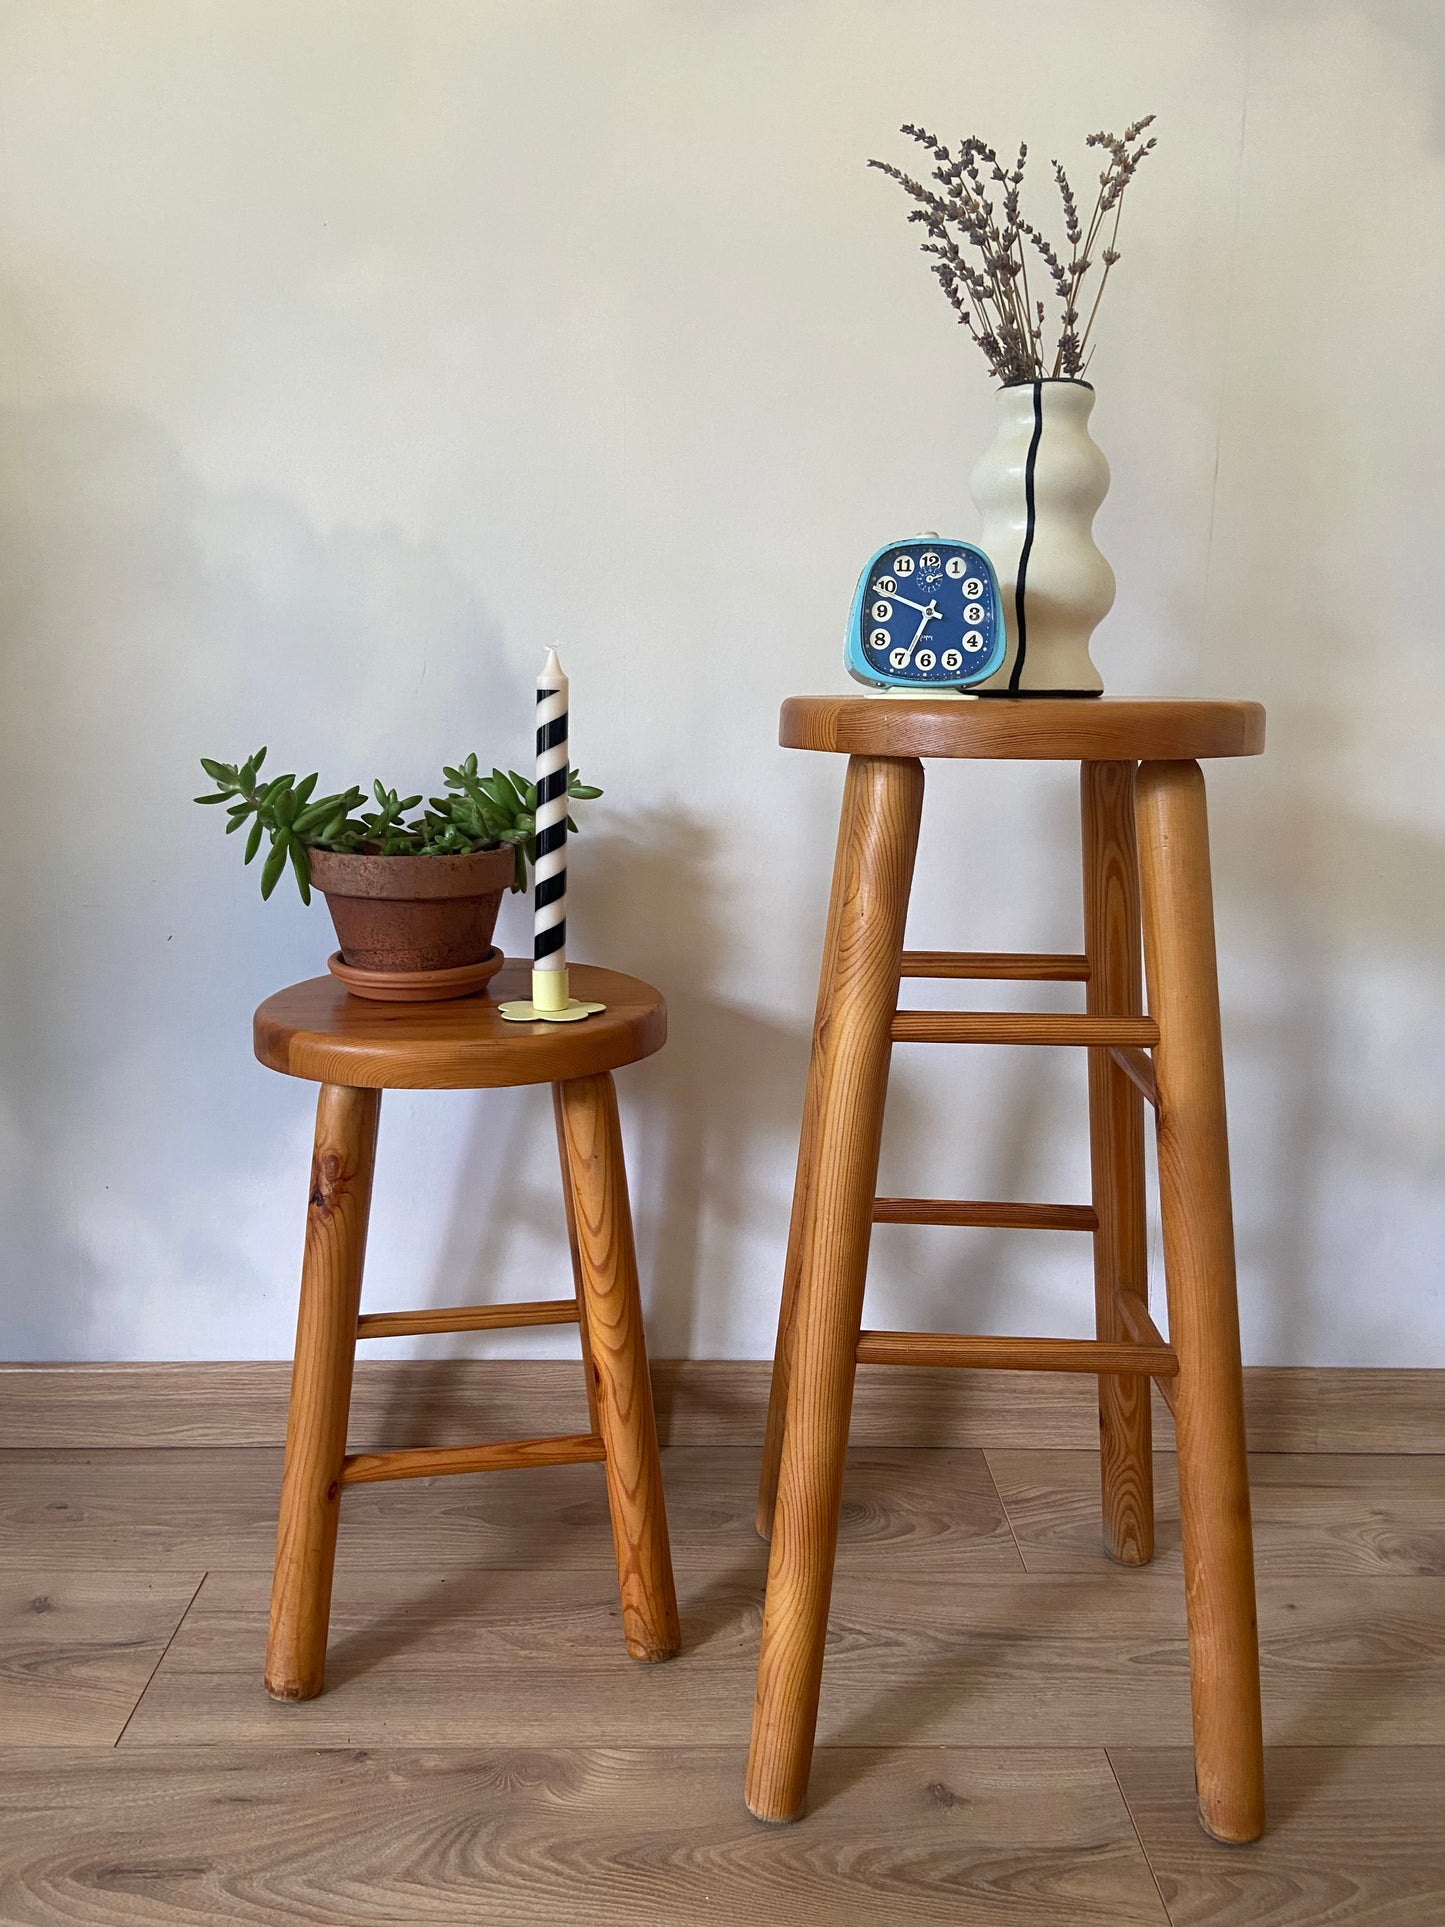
{"x":596,"y":1177}
{"x":802,"y":1191}
{"x":589,"y":1370}
{"x":1116,"y":1145}
{"x":336,"y":1217}
{"x":882,"y":801}
{"x":1203,"y":1308}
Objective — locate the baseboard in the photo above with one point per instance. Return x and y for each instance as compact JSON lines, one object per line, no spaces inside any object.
{"x":699,"y":1402}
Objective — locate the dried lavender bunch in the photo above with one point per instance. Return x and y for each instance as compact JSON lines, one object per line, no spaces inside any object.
{"x":980,"y":244}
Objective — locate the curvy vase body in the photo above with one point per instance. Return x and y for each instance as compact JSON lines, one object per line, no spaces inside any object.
{"x":1038,"y":489}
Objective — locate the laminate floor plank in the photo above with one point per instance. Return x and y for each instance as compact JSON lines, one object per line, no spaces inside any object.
{"x":1356,"y":1838}
{"x":1313,"y":1512}
{"x":486,"y":1752}
{"x":216,"y":1509}
{"x":76,"y":1650}
{"x":586,"y":1837}
{"x":536,"y":1658}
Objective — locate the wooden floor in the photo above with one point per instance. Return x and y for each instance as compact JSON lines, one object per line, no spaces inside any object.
{"x":1003,"y":1736}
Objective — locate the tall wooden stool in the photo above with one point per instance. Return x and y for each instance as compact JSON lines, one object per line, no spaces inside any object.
{"x":1144,"y":822}
{"x":355,"y":1050}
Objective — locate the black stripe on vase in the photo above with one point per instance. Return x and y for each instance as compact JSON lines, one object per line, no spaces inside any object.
{"x":546,"y":941}
{"x":552,"y":735}
{"x":550,"y":890}
{"x":551,"y":787}
{"x":1021,"y":623}
{"x":551,"y":838}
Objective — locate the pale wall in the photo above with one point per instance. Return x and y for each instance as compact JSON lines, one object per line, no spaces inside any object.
{"x":355,"y":352}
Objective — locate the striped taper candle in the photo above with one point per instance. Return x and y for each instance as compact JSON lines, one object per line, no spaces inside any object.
{"x":549,"y":902}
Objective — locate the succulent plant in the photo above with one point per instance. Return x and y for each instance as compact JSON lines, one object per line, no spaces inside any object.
{"x":478,"y":813}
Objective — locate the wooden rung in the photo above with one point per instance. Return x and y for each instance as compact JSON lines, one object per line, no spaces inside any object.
{"x":1138,"y":1068}
{"x":1012,"y":1217}
{"x":1015,"y":1354}
{"x":1134,"y":1317}
{"x":467,"y":1318}
{"x":1010,"y":966}
{"x":437,"y":1461}
{"x":1019,"y":1027}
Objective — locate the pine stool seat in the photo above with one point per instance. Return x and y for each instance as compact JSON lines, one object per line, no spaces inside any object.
{"x":356,"y":1049}
{"x":1146,"y":872}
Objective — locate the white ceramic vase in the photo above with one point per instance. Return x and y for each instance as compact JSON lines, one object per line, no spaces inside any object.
{"x":1038,"y":488}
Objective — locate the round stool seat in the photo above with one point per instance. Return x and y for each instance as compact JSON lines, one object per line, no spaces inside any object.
{"x":319,"y":1031}
{"x":1040,"y":729}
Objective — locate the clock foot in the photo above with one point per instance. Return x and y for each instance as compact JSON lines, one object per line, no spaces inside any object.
{"x":925,"y":695}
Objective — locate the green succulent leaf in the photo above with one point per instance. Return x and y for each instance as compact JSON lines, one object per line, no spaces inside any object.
{"x":253,"y":841}
{"x":273,"y":866}
{"x":301,"y":864}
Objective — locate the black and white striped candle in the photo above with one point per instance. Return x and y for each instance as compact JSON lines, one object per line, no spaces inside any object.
{"x":549,"y":900}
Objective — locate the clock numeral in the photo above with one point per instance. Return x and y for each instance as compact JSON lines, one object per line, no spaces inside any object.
{"x":973,"y":587}
{"x":882,"y":611}
{"x":880,"y":638}
{"x":973,"y":643}
{"x":885,"y":585}
{"x":903,"y":565}
{"x":953,"y":659}
{"x":925,"y":660}
{"x":954,"y":567}
{"x":975,"y":612}
{"x":929,"y":560}
{"x":898,"y":659}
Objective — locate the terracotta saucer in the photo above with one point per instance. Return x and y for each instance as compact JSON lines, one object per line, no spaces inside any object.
{"x":416,"y":986}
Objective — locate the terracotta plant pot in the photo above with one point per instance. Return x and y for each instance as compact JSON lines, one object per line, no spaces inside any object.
{"x":413,"y":913}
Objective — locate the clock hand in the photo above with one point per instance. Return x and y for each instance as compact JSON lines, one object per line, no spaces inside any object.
{"x":907,"y":602}
{"x":930,"y":614}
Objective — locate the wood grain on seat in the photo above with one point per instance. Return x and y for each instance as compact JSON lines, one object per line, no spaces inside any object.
{"x":1067,"y":729}
{"x":318,"y":1030}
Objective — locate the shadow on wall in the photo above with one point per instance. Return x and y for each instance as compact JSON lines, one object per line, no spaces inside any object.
{"x":710,"y":1121}
{"x":146,"y":619}
{"x":1338,"y":907}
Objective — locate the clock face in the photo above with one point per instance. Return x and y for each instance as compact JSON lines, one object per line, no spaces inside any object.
{"x":926,"y":614}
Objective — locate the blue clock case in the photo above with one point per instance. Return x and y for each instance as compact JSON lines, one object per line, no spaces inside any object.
{"x":869,"y":661}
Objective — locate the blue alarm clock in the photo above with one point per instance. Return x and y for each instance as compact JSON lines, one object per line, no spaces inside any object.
{"x":926,"y":615}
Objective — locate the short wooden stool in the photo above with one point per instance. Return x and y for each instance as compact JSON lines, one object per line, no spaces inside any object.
{"x":355,"y":1049}
{"x":1144,"y":822}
